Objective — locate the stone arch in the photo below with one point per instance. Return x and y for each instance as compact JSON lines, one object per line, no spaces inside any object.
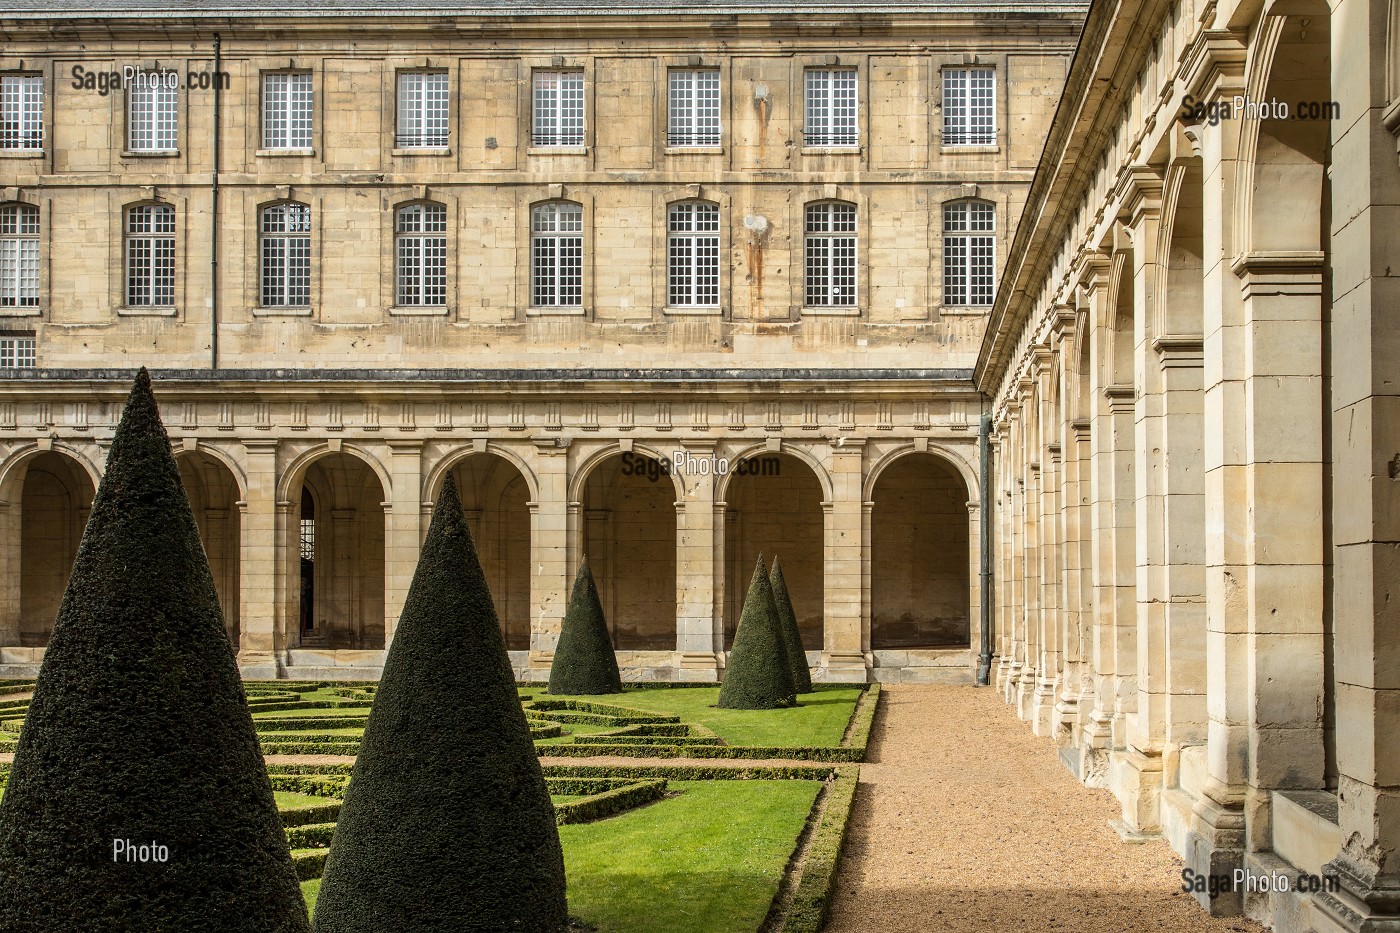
{"x":296,"y":470}
{"x":214,"y":491}
{"x":496,"y":496}
{"x":778,"y":510}
{"x":625,"y":525}
{"x":10,"y":471}
{"x":335,"y":550}
{"x":920,"y":538}
{"x":1119,"y":359}
{"x":591,"y":462}
{"x":1282,"y":196}
{"x":432,"y":482}
{"x":758,"y":450}
{"x":1180,"y":305}
{"x":53,"y":491}
{"x":948,"y":455}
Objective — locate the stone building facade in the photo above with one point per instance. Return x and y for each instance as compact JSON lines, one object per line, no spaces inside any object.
{"x":1192,"y":363}
{"x":548,"y":248}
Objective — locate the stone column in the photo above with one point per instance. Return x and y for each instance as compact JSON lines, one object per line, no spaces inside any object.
{"x":262,"y":587}
{"x":1030,"y":550}
{"x":11,"y":545}
{"x":843,"y":657}
{"x":1048,"y":453}
{"x":549,"y":559}
{"x":696,"y":647}
{"x":1136,"y":773}
{"x":402,"y":532}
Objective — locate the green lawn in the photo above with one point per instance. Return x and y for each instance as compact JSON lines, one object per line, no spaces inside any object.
{"x":819,"y":719}
{"x":706,"y":861}
{"x":287,"y":800}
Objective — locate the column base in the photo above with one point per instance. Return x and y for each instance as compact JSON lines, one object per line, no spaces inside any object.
{"x":1094,"y":750}
{"x":844,"y":667}
{"x":1365,"y":902}
{"x":1011,"y":685}
{"x":1042,"y":708}
{"x":260,"y":665}
{"x":1215,"y":847}
{"x":697,"y":667}
{"x":1001,"y":669}
{"x":1025,"y":693}
{"x":1064,"y":720}
{"x":1136,"y":780}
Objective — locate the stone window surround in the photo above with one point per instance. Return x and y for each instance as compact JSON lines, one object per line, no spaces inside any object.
{"x":388,"y":283}
{"x":121,"y":122}
{"x":396,"y":66}
{"x":252,"y":254}
{"x":998,"y":63}
{"x":802,"y":196}
{"x":527,"y":199}
{"x":44,"y":205}
{"x":938,"y":199}
{"x":46,"y":103}
{"x":260,"y":71}
{"x":800,"y":66}
{"x":525,"y":109}
{"x":121,"y":202}
{"x":661,"y":269}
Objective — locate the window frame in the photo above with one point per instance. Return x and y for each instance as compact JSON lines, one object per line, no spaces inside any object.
{"x":693,"y":137}
{"x":25,"y":130}
{"x":287,"y":238}
{"x":130,"y":238}
{"x":693,"y":236}
{"x":554,"y":136}
{"x":160,"y":94}
{"x":423,"y":140}
{"x":824,"y":133}
{"x":959,"y":126}
{"x":557,"y":239}
{"x":290,"y":98}
{"x":830,"y":239}
{"x":429,"y":245}
{"x":19,"y":350}
{"x":959,"y":268}
{"x":13,"y":279}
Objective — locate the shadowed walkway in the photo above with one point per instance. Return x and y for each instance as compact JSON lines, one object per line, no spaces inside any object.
{"x":965,"y":822}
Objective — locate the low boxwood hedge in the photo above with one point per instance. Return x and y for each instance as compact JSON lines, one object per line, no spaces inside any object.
{"x":309,"y":863}
{"x":310,"y":836}
{"x":811,"y":902}
{"x":304,"y":816}
{"x":610,"y":802}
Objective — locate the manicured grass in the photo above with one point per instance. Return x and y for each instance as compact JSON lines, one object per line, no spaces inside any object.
{"x":706,"y":861}
{"x":288,"y":800}
{"x":819,"y":718}
{"x":309,"y":890}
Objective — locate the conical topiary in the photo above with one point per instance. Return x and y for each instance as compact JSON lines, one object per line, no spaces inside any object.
{"x":447,"y":826}
{"x":584,"y":661}
{"x":139,"y":734}
{"x":758,"y":675}
{"x":792,"y":636}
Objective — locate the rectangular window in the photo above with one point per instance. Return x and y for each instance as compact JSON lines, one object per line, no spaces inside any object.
{"x":556,"y":256}
{"x":831,"y":255}
{"x":22,"y":112}
{"x":17,"y":351}
{"x":421,"y":256}
{"x":150,"y":256}
{"x":287,"y":111}
{"x":19,"y":256}
{"x":422,"y":110}
{"x":286,"y":256}
{"x":969,"y":254}
{"x":558,"y":114}
{"x":694,"y":114}
{"x":831,"y":108}
{"x":693,"y":256}
{"x":969,"y":107}
{"x":154,"y":116}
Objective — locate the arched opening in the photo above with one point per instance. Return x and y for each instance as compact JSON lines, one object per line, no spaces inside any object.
{"x":55,"y":500}
{"x":496,"y":499}
{"x":919,"y":576}
{"x":774,"y":508}
{"x":213,"y":495}
{"x":629,"y":538}
{"x":340,"y":553}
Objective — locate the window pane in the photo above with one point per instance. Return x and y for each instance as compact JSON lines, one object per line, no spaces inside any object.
{"x":558,"y":108}
{"x":694,"y":108}
{"x":21,"y":112}
{"x":831,"y":115}
{"x":422,"y":120}
{"x":969,"y":107}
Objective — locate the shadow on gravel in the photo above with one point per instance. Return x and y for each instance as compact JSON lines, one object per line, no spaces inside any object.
{"x":1034,"y":907}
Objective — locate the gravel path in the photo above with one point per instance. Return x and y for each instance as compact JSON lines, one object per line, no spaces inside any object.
{"x":965,"y":822}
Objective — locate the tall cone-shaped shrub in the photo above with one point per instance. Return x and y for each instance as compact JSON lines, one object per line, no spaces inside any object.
{"x":758,"y":675}
{"x":138,"y":799}
{"x":584,"y":661}
{"x":792,"y":636}
{"x":447,"y":826}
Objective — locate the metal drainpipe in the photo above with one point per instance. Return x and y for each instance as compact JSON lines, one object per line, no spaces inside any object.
{"x":984,"y":450}
{"x":214,"y":213}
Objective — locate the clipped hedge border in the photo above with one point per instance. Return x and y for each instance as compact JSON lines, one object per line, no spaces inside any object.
{"x":610,"y":802}
{"x":691,"y":772}
{"x":310,"y":836}
{"x":310,"y":704}
{"x":310,"y":782}
{"x":310,"y":748}
{"x":302,"y":816}
{"x":335,"y":771}
{"x":833,"y":753}
{"x":862,"y":720}
{"x":811,"y":902}
{"x":299,"y":723}
{"x":309,"y":863}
